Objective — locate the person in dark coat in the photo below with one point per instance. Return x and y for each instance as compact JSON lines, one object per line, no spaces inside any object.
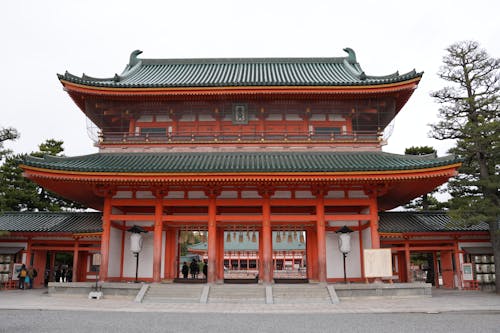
{"x":205,"y":270}
{"x":193,"y":268}
{"x":185,"y":270}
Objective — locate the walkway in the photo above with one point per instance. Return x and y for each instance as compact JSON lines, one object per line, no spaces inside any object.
{"x":442,"y":301}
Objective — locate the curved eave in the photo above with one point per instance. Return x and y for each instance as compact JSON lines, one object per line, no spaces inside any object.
{"x":242,"y":90}
{"x":229,"y":177}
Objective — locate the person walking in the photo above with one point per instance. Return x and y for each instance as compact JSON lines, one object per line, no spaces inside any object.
{"x":205,"y":270}
{"x":185,"y":270}
{"x":23,"y":273}
{"x":32,"y":274}
{"x":193,"y":268}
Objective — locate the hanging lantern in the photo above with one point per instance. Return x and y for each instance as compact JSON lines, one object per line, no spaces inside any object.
{"x":228,"y":237}
{"x":234,"y":235}
{"x":278,"y":238}
{"x":302,"y":237}
{"x":254,"y":238}
{"x":295,"y":236}
{"x":289,"y":240}
{"x":240,"y":237}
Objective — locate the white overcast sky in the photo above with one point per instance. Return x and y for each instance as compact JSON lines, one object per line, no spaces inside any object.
{"x":42,"y":38}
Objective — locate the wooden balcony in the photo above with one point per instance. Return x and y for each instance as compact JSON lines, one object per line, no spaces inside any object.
{"x":232,"y":138}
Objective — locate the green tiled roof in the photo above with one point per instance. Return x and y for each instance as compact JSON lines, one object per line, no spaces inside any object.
{"x":66,"y":222}
{"x":400,"y":222}
{"x":240,"y":72}
{"x":85,"y":222}
{"x":237,"y":162}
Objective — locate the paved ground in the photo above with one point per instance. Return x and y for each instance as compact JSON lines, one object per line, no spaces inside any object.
{"x":441,"y":301}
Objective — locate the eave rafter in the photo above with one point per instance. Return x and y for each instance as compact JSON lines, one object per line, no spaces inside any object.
{"x":241,"y":178}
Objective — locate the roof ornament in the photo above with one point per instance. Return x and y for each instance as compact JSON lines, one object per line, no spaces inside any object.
{"x":351,"y":55}
{"x":133,"y":58}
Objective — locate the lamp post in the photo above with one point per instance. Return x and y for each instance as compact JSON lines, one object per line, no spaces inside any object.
{"x":344,"y":244}
{"x":136,"y":245}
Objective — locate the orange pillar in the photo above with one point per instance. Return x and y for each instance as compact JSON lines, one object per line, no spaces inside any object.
{"x":106,"y":232}
{"x":212,"y":239}
{"x":409,"y":278}
{"x":220,"y":254}
{"x":312,"y":250}
{"x":321,"y":236}
{"x":267,"y":247}
{"x":458,"y":266}
{"x":75,"y":261}
{"x":39,"y":263}
{"x":171,"y":254}
{"x":28,"y":254}
{"x":375,"y":237}
{"x":157,"y":240}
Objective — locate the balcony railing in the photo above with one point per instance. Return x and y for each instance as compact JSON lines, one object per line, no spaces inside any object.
{"x":221,"y":138}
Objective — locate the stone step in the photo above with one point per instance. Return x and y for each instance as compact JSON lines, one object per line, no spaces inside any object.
{"x":286,"y":294}
{"x":254,"y":294}
{"x":173,"y":293}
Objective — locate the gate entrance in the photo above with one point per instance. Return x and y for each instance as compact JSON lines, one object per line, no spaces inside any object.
{"x":289,"y":256}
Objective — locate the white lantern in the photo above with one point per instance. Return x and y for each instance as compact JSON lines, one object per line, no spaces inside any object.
{"x":136,"y":242}
{"x":345,"y":243}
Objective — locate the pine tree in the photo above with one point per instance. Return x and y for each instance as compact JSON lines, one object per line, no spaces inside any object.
{"x":470,"y":114}
{"x":21,"y":194}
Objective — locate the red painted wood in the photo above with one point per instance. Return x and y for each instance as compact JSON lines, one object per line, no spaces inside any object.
{"x":157,"y":241}
{"x":212,"y":241}
{"x":321,"y":238}
{"x":105,"y":238}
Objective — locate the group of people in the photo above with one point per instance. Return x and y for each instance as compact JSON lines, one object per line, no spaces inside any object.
{"x":63,"y":274}
{"x":194,"y":269}
{"x":26,"y":277}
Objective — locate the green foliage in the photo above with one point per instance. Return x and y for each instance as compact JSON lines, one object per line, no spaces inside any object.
{"x":427,"y":201}
{"x":470,"y":114}
{"x":7,"y":134}
{"x":18,"y":193}
{"x":421,"y":150}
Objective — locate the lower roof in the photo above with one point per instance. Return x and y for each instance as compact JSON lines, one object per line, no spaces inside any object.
{"x":90,"y":222}
{"x":238,"y":162}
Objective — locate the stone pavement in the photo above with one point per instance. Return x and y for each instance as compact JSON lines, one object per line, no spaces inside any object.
{"x":441,"y":301}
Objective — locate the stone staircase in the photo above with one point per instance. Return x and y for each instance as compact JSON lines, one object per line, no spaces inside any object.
{"x":300,"y":293}
{"x":173,"y":293}
{"x":237,"y":293}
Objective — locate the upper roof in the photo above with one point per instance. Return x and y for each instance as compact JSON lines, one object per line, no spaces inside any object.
{"x":240,"y":72}
{"x":65,"y":222}
{"x":401,"y":222}
{"x":237,"y":162}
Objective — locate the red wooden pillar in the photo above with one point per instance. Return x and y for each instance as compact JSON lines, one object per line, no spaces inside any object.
{"x":458,"y":267}
{"x":105,"y":237}
{"x":39,"y":263}
{"x":375,"y":237}
{"x":157,"y":240}
{"x":447,"y":269}
{"x":28,"y":253}
{"x":409,"y":277}
{"x":220,"y":254}
{"x":267,"y":246}
{"x":312,"y":250}
{"x":212,"y":238}
{"x":361,"y":248}
{"x":321,"y":236}
{"x":171,"y":254}
{"x":75,"y":260}
{"x":52,"y":264}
